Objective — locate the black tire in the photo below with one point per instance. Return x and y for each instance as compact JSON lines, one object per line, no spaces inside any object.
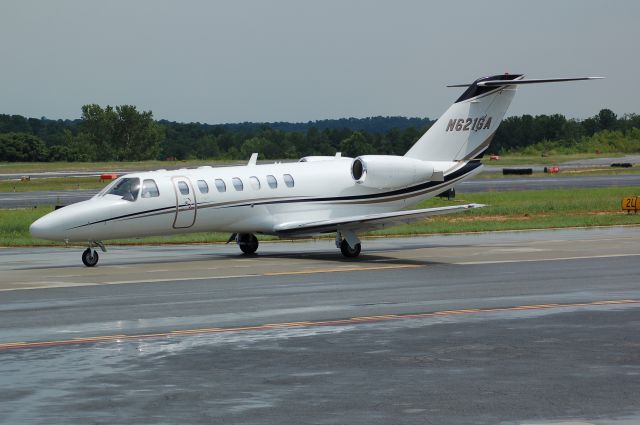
{"x":349,"y":252}
{"x":248,"y":243}
{"x":90,"y":257}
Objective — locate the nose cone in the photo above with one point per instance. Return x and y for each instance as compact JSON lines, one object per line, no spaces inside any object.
{"x":47,"y":227}
{"x":73,"y":223}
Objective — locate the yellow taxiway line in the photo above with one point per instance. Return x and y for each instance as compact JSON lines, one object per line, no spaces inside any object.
{"x":343,"y":269}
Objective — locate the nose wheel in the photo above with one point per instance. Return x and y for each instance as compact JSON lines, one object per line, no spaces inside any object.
{"x":90,"y":257}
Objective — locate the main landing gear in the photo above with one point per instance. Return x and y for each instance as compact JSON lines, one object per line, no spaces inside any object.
{"x":349,"y":252}
{"x":247,"y":242}
{"x":348,"y":243}
{"x":90,"y":255}
{"x":346,"y":240}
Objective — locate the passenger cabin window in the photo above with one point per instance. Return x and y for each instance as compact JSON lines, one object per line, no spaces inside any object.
{"x":237,"y":183}
{"x":220,"y":185}
{"x":271,"y":180}
{"x":184,"y":188}
{"x":255,"y":183}
{"x":149,"y":189}
{"x":288,"y":180}
{"x":127,"y":188}
{"x":203,"y":186}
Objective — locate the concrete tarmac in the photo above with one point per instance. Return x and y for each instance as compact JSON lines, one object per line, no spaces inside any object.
{"x":508,"y":328}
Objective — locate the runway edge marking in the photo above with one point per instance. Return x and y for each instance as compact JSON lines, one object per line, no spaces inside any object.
{"x":303,"y":324}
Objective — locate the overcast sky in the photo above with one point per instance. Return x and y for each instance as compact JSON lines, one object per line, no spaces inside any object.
{"x":234,"y":61}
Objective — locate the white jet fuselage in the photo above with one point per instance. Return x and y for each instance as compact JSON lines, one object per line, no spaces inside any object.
{"x":271,"y":195}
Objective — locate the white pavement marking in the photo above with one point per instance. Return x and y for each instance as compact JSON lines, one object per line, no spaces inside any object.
{"x":176,"y":279}
{"x":586,"y":257}
{"x":517,"y":249}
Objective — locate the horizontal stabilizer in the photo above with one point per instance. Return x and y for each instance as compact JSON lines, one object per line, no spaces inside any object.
{"x":365,"y":222}
{"x":495,"y":83}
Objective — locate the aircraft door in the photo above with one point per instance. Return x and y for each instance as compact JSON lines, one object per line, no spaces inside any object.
{"x":186,"y":204}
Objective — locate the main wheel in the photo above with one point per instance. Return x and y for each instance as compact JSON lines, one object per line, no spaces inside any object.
{"x":349,"y":252}
{"x":248,"y":243}
{"x":90,"y":257}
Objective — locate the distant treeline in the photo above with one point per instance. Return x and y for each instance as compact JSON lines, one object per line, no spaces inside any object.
{"x":124,"y":133}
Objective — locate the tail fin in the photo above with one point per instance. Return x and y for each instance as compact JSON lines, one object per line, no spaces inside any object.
{"x":465,"y":130}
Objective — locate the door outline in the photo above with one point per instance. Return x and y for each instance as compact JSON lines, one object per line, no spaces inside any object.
{"x":190,"y":202}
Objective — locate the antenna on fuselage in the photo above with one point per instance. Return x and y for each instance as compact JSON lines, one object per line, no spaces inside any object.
{"x":253,"y":159}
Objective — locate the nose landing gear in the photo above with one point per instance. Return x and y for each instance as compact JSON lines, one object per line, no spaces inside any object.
{"x":90,"y":256}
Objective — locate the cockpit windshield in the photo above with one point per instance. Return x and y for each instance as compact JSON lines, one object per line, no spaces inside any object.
{"x":127,"y":188}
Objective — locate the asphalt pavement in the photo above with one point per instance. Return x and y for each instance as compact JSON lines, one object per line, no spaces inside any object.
{"x":504,"y":328}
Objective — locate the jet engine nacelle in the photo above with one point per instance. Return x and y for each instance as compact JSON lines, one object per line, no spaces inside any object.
{"x":387,"y":171}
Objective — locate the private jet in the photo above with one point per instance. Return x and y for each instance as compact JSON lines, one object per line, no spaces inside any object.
{"x":316,"y":195}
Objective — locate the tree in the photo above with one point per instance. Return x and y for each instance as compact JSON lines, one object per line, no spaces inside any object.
{"x":207,"y":147}
{"x":96,"y":131}
{"x":607,"y":120}
{"x":355,"y":145}
{"x":122,"y":133}
{"x":22,"y":147}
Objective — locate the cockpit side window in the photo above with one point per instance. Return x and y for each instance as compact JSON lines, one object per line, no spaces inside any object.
{"x":149,"y":189}
{"x":127,"y":188}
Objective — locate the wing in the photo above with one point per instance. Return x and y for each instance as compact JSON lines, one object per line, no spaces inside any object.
{"x":365,"y":222}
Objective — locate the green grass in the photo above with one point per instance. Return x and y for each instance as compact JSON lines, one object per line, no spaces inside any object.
{"x":534,"y":209}
{"x":595,"y":171}
{"x":40,"y":167}
{"x":554,"y":159}
{"x":14,"y":226}
{"x":608,"y":171}
{"x":56,"y":183}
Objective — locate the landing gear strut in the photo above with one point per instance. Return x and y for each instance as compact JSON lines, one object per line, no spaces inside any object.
{"x":90,"y":256}
{"x":247,"y":242}
{"x":348,"y":243}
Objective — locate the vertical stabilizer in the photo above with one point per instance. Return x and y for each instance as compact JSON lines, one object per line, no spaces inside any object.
{"x":465,"y":130}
